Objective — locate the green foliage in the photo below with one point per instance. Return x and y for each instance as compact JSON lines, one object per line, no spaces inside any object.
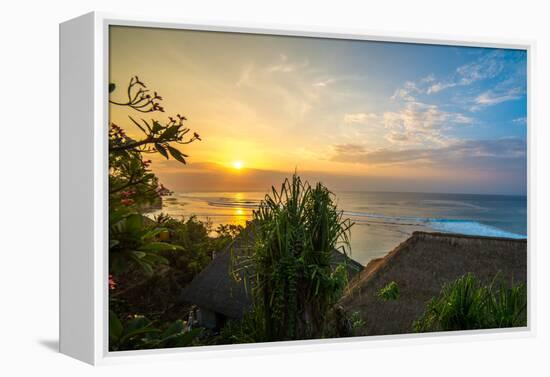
{"x":229,"y":230}
{"x":141,"y":333}
{"x":294,"y":285}
{"x":158,"y":137}
{"x":195,"y":239}
{"x":132,"y":185}
{"x":134,"y":244}
{"x":131,"y":182}
{"x":358,"y":326}
{"x":466,"y":304}
{"x":186,"y":248}
{"x":389,"y":292}
{"x":149,"y":261}
{"x":508,"y":306}
{"x":242,"y":331}
{"x":460,"y":306}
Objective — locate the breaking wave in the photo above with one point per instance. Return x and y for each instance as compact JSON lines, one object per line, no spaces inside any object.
{"x":467,"y":227}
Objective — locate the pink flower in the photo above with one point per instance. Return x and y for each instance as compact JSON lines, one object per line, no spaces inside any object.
{"x":112,"y":282}
{"x":127,"y":202}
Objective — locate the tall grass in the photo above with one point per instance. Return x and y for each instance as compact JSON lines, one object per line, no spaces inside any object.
{"x":294,"y":285}
{"x":466,"y":304}
{"x":508,"y":307}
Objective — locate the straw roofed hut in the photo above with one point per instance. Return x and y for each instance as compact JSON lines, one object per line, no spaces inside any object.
{"x":420,"y":266}
{"x":219,"y":296}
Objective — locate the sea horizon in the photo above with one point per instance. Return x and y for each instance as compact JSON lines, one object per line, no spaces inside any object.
{"x":423,"y":146}
{"x":381,"y":219}
{"x":368,"y":191}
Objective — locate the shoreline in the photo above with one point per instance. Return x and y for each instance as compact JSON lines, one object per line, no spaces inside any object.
{"x":381,"y":220}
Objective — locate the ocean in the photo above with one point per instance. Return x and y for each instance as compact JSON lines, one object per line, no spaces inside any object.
{"x":382,"y":219}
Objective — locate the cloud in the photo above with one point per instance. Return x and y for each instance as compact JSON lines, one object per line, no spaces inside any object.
{"x":422,"y":123}
{"x":415,"y":123}
{"x":522,"y":121}
{"x":285,"y":66}
{"x":289,"y":86}
{"x":396,"y":137}
{"x":437,"y":87}
{"x":244,"y":78}
{"x":406,"y":92}
{"x":361,"y":118}
{"x":459,"y":153}
{"x":402,"y":94}
{"x":205,"y":176}
{"x":294,"y":84}
{"x":494,"y":97}
{"x":324,"y":83}
{"x":429,"y":78}
{"x":487,"y":66}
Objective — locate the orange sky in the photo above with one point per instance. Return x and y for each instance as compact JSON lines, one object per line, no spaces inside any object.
{"x":266,"y":105}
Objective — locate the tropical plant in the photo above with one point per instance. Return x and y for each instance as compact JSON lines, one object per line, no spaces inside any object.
{"x":195,"y":238}
{"x":133,"y":187}
{"x":178,"y":249}
{"x":141,"y":333}
{"x":148,"y":260}
{"x":229,"y":230}
{"x":131,"y":182}
{"x":389,"y":292}
{"x":466,"y":304}
{"x":245,"y":330}
{"x":158,"y":137}
{"x":358,"y":325}
{"x":294,"y":284}
{"x":134,"y":244}
{"x":508,"y":306}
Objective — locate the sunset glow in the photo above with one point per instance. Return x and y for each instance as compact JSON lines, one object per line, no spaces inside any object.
{"x":446,"y":119}
{"x":292,"y":164}
{"x":238,"y":165}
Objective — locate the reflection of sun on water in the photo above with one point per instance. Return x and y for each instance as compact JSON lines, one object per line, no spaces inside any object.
{"x":239,"y":216}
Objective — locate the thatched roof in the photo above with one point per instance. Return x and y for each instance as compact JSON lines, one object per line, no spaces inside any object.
{"x":215,"y":289}
{"x":420,"y":266}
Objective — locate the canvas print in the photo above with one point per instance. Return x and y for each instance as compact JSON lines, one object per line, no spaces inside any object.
{"x":271,"y":188}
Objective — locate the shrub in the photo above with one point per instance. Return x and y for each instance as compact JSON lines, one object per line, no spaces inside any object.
{"x":131,"y":181}
{"x":179,"y":248}
{"x":508,"y":306}
{"x":134,"y":243}
{"x":358,"y":325}
{"x":294,"y":284}
{"x":466,"y":304}
{"x":389,"y":292}
{"x":141,"y":333}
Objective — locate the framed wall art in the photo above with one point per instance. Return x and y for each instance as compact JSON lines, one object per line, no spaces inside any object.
{"x":234,"y":189}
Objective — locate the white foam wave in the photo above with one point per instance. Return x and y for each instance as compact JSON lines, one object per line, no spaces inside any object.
{"x":471,"y":228}
{"x":467,"y":227}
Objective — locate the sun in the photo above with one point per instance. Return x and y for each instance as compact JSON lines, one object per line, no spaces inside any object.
{"x":237,"y":165}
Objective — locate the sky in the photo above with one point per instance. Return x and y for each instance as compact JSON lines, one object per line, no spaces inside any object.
{"x":356,"y":115}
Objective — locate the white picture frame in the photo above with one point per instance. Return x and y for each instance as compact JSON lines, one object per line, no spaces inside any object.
{"x":83,"y":190}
